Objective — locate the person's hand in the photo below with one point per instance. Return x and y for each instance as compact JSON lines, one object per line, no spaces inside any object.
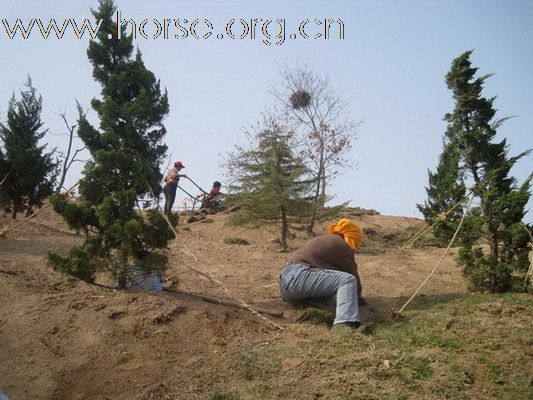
{"x":362,"y":301}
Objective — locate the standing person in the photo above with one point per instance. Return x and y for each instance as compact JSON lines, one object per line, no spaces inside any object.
{"x":171,"y":185}
{"x":324,"y":268}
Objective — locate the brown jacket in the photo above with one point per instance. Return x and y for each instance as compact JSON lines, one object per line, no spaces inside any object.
{"x":327,"y":252}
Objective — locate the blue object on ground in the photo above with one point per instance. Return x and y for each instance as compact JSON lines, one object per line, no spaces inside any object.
{"x":140,"y":278}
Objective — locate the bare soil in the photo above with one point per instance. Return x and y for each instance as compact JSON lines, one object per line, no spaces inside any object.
{"x":65,"y":339}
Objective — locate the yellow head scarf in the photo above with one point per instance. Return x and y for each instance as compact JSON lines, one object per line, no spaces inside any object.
{"x":351,"y":233}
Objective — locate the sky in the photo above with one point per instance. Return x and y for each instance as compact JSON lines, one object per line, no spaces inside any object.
{"x":390,"y":66}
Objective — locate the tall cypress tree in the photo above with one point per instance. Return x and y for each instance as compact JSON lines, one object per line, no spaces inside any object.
{"x":446,"y":189}
{"x":28,"y":171}
{"x":4,"y":173}
{"x":126,"y":151}
{"x":270,"y":184}
{"x":485,"y":165}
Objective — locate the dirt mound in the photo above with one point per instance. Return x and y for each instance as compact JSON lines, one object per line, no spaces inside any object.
{"x":63,"y":339}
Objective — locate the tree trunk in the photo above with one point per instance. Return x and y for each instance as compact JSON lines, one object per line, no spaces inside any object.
{"x":322,"y":174}
{"x":323,"y":188}
{"x":494,"y":250}
{"x":284,"y":229}
{"x":5,"y":178}
{"x":311,"y":225}
{"x":122,"y":275}
{"x":322,"y":178}
{"x":121,"y":282}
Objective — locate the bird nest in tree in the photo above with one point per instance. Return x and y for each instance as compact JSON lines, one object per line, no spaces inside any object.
{"x":300,"y":99}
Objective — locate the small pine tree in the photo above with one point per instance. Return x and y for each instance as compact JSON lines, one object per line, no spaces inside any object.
{"x":485,"y":166}
{"x":127,"y":151}
{"x":269,"y":182}
{"x":28,"y":171}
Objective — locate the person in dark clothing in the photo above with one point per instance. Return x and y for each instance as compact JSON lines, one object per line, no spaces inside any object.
{"x":215,"y":190}
{"x":210,"y":200}
{"x":172,"y":179}
{"x":325,"y":268}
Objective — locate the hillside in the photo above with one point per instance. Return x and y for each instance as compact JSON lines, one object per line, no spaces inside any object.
{"x":63,"y":339}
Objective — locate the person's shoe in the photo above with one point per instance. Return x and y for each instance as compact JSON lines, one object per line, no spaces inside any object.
{"x":367,"y":329}
{"x":345,"y":327}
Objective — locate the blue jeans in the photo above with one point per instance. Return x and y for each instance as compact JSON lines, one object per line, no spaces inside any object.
{"x":299,"y":283}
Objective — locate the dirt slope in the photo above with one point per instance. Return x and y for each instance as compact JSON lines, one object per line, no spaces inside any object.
{"x":61,"y":339}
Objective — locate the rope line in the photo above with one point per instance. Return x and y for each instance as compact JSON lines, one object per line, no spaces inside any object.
{"x":48,"y":204}
{"x":195,"y":184}
{"x":530,"y":269}
{"x":173,"y":230}
{"x":442,"y":258}
{"x":187,"y":193}
{"x":210,"y":275}
{"x":242,"y":302}
{"x":423,"y":230}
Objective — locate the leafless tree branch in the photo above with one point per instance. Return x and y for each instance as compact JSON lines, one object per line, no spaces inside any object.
{"x":69,"y":158}
{"x":323,"y":133}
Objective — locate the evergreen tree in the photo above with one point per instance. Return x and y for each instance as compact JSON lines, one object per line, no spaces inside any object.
{"x":485,"y":165}
{"x":28,"y":171}
{"x":4,"y":173}
{"x":446,"y":189}
{"x":126,"y":153}
{"x":270,"y":183}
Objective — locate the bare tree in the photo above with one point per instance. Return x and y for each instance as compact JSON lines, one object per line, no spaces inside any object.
{"x":69,"y":157}
{"x":318,"y":115}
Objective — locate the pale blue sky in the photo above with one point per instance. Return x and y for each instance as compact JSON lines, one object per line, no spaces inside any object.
{"x":390,"y":66}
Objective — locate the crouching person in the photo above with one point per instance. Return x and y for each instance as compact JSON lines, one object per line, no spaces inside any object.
{"x":324,"y":268}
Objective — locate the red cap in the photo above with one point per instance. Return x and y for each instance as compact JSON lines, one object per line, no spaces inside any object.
{"x":179,"y":164}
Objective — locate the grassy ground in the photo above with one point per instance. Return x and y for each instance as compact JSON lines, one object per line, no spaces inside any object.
{"x":446,"y":347}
